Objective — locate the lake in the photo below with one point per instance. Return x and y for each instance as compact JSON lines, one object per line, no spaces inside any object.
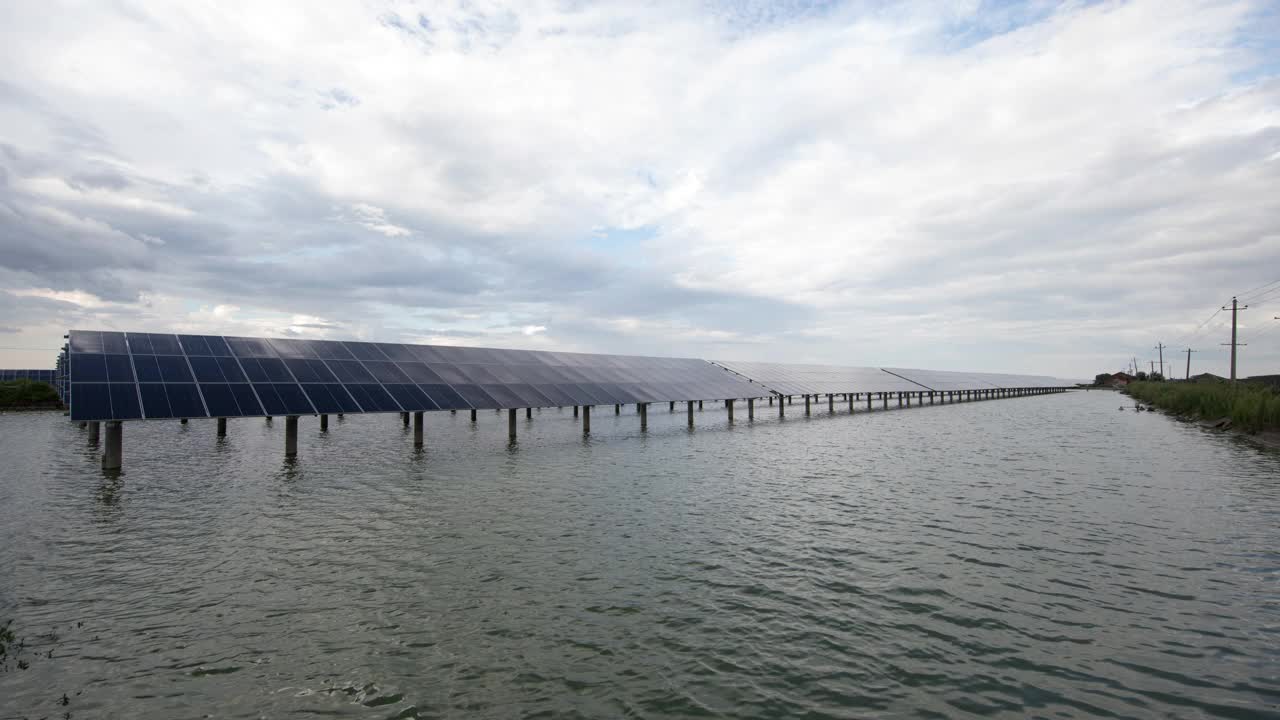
{"x":1045,"y":556}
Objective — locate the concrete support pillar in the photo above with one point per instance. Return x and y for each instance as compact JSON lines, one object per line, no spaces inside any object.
{"x":671,"y":406}
{"x":617,"y":409}
{"x":831,"y":403}
{"x":94,"y":432}
{"x":417,"y":429}
{"x":324,"y":423}
{"x":751,"y":409}
{"x":690,"y":406}
{"x":528,"y":413}
{"x":868,"y":401}
{"x":404,"y":417}
{"x":643,"y":409}
{"x":291,"y":436}
{"x":782,"y":407}
{"x":511,"y":425}
{"x":770,"y":401}
{"x":83,"y":424}
{"x":473,"y":415}
{"x":884,"y":399}
{"x":849,"y":397}
{"x":575,"y":411}
{"x":586,"y":419}
{"x":699,"y":404}
{"x":899,"y":399}
{"x":183,"y":421}
{"x":791,"y":400}
{"x":113,"y":450}
{"x":222,"y":427}
{"x":728,"y":406}
{"x":806,"y":405}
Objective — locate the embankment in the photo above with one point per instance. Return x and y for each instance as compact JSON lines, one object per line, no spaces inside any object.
{"x":1251,"y":408}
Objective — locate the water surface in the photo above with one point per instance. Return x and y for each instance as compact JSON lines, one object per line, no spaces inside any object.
{"x":1034,"y":557}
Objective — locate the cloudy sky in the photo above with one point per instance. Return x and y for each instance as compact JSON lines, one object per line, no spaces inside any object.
{"x":1040,"y":187}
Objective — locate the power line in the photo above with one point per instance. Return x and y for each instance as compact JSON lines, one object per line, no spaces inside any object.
{"x":1247,"y":294}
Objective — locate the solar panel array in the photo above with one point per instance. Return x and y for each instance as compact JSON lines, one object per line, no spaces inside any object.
{"x":130,"y":376}
{"x":792,"y":379}
{"x":44,"y":376}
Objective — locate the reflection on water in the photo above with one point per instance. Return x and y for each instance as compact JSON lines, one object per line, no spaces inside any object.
{"x":1043,"y":556}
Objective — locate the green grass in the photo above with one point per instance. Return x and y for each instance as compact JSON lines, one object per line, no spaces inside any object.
{"x":26,"y":393}
{"x":1250,"y":407}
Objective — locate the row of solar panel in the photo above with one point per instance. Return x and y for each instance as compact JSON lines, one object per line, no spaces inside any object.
{"x":83,"y":342}
{"x":789,"y":379}
{"x":130,"y":401}
{"x":46,"y":376}
{"x":93,"y":367}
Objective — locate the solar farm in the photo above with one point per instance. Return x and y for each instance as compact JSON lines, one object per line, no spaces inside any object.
{"x":114,"y":377}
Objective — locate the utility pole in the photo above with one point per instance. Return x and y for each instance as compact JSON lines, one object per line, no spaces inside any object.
{"x":1153,"y":366}
{"x":1160,"y":347}
{"x":1234,"y":310}
{"x":1189,"y":351}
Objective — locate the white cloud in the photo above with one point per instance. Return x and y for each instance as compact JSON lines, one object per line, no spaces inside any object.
{"x":898,"y":179}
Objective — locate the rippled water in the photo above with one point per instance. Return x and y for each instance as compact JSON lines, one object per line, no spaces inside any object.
{"x":1044,"y":556}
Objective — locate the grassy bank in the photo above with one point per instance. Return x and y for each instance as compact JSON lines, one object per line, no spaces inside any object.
{"x":1251,"y":407}
{"x":27,"y":394}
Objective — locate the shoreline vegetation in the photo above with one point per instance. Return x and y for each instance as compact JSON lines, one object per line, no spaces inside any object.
{"x":28,"y":395}
{"x":1251,"y":408}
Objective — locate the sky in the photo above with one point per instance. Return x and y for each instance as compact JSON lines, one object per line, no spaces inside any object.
{"x":1049,"y":188}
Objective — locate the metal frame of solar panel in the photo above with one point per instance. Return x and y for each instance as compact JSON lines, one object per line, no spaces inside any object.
{"x":134,"y":376}
{"x":797,"y":379}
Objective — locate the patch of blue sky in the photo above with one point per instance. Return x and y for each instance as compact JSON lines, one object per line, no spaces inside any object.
{"x":621,"y":244}
{"x":1260,"y":37}
{"x":992,"y":18}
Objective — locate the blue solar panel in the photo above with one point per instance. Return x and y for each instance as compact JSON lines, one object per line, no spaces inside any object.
{"x":203,"y":375}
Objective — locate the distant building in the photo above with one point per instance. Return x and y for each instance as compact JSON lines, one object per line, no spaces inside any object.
{"x":1121,"y":379}
{"x":1207,"y":378}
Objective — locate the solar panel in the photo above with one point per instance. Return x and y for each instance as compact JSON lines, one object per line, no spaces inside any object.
{"x":945,"y":380}
{"x":127,"y":376}
{"x":44,"y":376}
{"x":792,"y":379}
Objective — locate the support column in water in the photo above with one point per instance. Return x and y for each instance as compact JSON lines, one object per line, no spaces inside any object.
{"x":751,"y":409}
{"x":643,"y":409}
{"x":94,"y":432}
{"x":473,"y":415}
{"x":511,"y":425}
{"x":222,"y":427}
{"x":806,"y":405}
{"x":113,"y":450}
{"x":690,"y":406}
{"x":324,"y":423}
{"x":291,"y":436}
{"x":417,"y":429}
{"x":586,"y":419}
{"x":728,"y":406}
